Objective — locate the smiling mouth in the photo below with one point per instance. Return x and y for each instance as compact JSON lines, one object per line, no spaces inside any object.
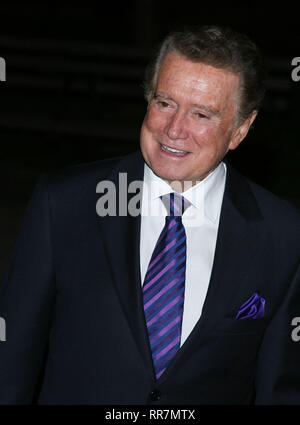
{"x":172,"y":150}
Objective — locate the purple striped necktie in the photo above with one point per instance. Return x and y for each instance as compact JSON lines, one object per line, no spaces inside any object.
{"x":163,"y":289}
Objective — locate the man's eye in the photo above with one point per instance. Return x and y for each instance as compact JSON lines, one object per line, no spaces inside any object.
{"x":162,"y":104}
{"x":199,"y":115}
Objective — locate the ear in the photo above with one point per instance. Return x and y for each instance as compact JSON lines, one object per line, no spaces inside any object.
{"x":240,"y":132}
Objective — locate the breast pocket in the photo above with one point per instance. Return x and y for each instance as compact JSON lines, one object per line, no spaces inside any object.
{"x":241,"y":326}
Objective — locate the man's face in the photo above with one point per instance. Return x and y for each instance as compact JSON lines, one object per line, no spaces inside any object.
{"x":190,"y":122}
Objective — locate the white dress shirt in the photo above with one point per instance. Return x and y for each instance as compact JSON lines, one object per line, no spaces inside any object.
{"x":201,"y":221}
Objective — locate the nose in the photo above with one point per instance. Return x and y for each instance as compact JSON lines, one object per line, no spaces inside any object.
{"x":177,"y":127}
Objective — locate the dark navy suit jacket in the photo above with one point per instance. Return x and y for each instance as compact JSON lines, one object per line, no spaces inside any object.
{"x":71,"y":297}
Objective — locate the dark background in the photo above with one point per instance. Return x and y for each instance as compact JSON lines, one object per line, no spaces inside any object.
{"x":73,"y":90}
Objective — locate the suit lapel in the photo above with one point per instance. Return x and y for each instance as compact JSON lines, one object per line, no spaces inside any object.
{"x":235,"y":249}
{"x":121,"y":237}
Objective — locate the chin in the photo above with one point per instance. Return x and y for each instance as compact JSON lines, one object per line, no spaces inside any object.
{"x":167,"y":175}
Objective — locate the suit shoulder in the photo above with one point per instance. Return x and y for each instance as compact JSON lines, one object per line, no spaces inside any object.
{"x":81,"y":173}
{"x":274,"y":210}
{"x":72,"y":184}
{"x":278,"y":219}
{"x":272,"y":206}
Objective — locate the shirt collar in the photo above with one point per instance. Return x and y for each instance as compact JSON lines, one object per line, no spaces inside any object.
{"x":208,"y":193}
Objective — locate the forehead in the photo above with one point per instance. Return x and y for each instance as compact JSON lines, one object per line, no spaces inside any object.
{"x":180,"y":77}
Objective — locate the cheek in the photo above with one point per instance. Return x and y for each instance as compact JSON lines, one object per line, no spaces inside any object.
{"x":154,"y":121}
{"x":204,"y":136}
{"x":210,"y":143}
{"x":211,"y":137}
{"x":150,"y":131}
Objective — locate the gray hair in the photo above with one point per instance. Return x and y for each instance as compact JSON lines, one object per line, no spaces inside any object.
{"x":221,"y":47}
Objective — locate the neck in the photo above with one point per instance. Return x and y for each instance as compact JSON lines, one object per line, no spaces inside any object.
{"x":183,"y":185}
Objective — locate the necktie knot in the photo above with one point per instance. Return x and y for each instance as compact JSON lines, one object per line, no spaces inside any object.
{"x":175,"y":204}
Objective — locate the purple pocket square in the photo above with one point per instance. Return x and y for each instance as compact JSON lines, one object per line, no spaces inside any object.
{"x":253,"y":308}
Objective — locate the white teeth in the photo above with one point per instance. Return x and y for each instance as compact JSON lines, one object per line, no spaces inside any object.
{"x":165,"y":148}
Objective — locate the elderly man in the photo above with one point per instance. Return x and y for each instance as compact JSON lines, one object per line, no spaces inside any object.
{"x":193,"y":305}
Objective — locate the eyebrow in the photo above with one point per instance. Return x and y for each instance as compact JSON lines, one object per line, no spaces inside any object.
{"x":205,"y":108}
{"x":165,"y":96}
